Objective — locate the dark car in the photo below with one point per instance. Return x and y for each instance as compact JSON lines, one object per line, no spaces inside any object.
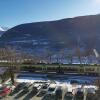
{"x":58,"y":93}
{"x":79,"y":95}
{"x":68,"y":96}
{"x":41,"y":93}
{"x":49,"y":97}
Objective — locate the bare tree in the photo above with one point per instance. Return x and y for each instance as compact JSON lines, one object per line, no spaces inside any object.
{"x":9,"y":55}
{"x":62,"y":55}
{"x":70,"y":58}
{"x":78,"y":53}
{"x":88,"y":54}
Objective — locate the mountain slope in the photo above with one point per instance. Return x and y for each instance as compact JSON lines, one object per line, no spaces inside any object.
{"x":83,"y":32}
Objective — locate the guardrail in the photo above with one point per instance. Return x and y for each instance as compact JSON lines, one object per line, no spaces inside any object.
{"x":64,"y":68}
{"x":85,"y":69}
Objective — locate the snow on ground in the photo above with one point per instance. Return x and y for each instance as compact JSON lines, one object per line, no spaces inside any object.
{"x":60,"y":78}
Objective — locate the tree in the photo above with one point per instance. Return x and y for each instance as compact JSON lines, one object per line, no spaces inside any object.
{"x":62,"y":55}
{"x":11,"y":56}
{"x":87,"y":54}
{"x":48,"y":55}
{"x":70,"y":58}
{"x":78,"y":53}
{"x":8,"y":54}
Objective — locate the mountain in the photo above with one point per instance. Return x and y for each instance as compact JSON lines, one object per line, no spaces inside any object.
{"x":66,"y":34}
{"x":1,"y":32}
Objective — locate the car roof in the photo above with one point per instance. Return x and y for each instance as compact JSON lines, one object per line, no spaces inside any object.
{"x":52,"y":85}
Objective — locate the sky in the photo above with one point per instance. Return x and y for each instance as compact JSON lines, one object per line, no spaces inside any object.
{"x":15,"y":12}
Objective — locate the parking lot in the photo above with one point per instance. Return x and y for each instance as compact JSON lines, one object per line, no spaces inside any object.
{"x":39,"y":87}
{"x":24,"y":91}
{"x":27,"y":91}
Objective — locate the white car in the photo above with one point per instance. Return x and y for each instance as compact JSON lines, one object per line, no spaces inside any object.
{"x":52,"y":89}
{"x":38,"y":86}
{"x":43,"y":89}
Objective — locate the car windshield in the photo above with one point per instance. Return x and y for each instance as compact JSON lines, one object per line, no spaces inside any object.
{"x":44,"y":87}
{"x":51,"y":89}
{"x":59,"y":91}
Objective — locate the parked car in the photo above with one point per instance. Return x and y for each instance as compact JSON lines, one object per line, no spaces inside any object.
{"x":45,"y":87}
{"x":41,"y":93}
{"x":52,"y":89}
{"x":48,"y":97}
{"x":68,"y":96}
{"x":19,"y":87}
{"x":4,"y":91}
{"x":38,"y":85}
{"x":59,"y":93}
{"x":79,"y":95}
{"x":43,"y":90}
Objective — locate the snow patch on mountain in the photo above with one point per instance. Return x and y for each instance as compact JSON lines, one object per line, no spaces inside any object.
{"x":1,"y":29}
